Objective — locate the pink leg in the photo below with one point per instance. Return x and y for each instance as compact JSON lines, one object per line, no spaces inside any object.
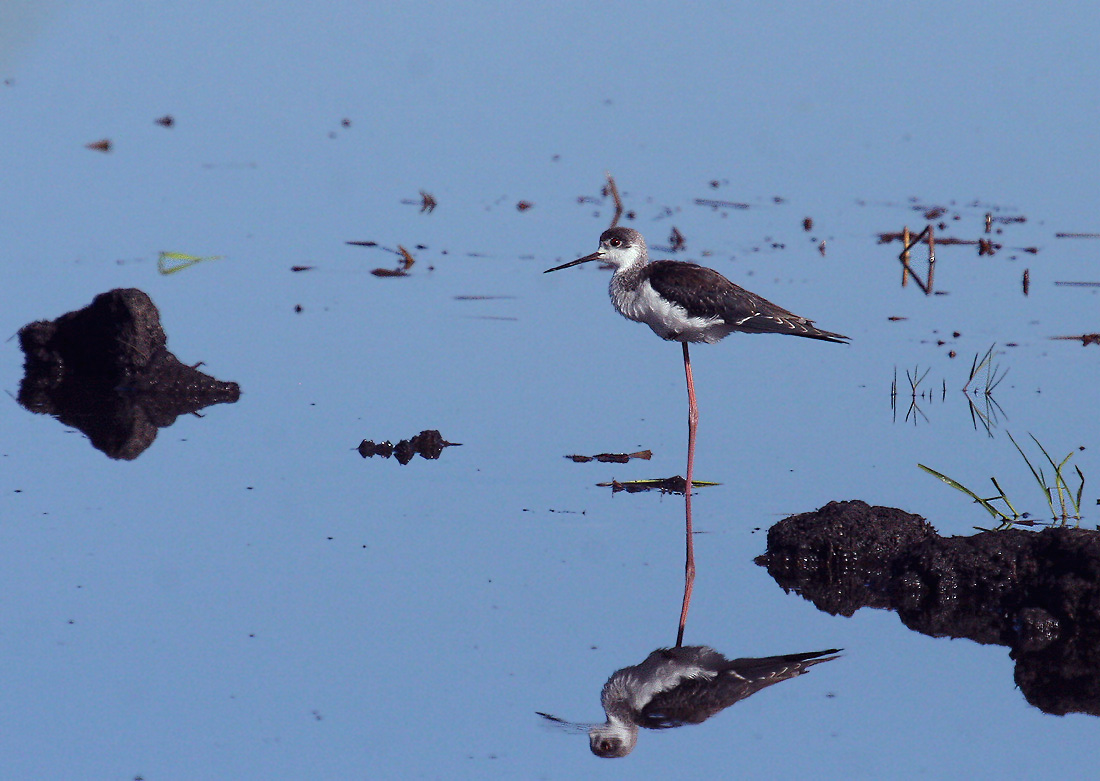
{"x":689,"y":564}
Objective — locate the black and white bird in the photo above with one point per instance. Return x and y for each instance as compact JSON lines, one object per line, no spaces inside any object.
{"x":684,"y":302}
{"x":682,"y":685}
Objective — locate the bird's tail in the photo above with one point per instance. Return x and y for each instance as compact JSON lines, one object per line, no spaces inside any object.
{"x":772,"y":664}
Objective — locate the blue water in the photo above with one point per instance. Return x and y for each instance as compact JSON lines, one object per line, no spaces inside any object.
{"x":251,"y":599}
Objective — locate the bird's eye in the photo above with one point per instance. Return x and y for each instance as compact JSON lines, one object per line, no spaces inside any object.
{"x":616,"y":242}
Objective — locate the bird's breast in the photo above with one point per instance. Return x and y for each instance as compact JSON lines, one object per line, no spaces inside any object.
{"x":668,"y":319}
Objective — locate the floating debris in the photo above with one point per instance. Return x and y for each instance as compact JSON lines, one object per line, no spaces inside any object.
{"x":886,"y":238}
{"x":808,"y":224}
{"x":720,"y":204}
{"x":1077,"y":235}
{"x":427,"y":204}
{"x":166,"y":121}
{"x":1086,"y":339}
{"x":407,"y":261}
{"x":1027,"y":280}
{"x":103,"y":145}
{"x":612,"y":458}
{"x":676,"y":240}
{"x":667,"y":485}
{"x":428,"y":444}
{"x":1078,"y":284}
{"x":523,"y":206}
{"x":171,"y":262}
{"x":302,"y":268}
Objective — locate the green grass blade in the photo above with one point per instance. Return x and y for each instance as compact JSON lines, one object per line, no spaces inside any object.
{"x":1004,"y":497}
{"x":960,"y":487}
{"x":1040,"y":478}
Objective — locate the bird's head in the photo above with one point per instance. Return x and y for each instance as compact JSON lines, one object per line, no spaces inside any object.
{"x":618,"y":246}
{"x":613,"y":739}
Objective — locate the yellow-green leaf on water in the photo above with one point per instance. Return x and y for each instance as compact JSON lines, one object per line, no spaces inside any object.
{"x":171,"y":262}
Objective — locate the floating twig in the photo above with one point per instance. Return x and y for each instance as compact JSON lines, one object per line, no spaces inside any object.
{"x":612,"y":458}
{"x":720,"y":204}
{"x":1086,"y":339}
{"x":667,"y":485}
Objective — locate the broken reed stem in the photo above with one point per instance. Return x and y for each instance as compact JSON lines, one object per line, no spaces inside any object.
{"x":931,"y":259}
{"x":905,"y":256}
{"x":614,"y":190}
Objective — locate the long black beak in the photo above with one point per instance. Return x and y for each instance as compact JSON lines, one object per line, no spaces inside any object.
{"x":585,"y":259}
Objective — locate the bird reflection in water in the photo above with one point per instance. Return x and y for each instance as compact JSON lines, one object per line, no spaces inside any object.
{"x":678,"y":686}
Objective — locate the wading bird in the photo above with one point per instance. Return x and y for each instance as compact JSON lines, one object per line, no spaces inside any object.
{"x":684,"y":302}
{"x":678,"y":686}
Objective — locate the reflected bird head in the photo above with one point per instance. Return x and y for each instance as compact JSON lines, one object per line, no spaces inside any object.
{"x":612,"y":740}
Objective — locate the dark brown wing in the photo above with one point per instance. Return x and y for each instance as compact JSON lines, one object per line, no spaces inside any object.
{"x":696,"y":700}
{"x":706,"y":293}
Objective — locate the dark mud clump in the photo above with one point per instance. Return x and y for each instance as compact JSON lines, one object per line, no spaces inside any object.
{"x":106,"y":370}
{"x":1038,"y":593}
{"x":427,"y":444}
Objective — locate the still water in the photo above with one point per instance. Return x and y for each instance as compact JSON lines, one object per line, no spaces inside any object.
{"x":251,"y":597}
